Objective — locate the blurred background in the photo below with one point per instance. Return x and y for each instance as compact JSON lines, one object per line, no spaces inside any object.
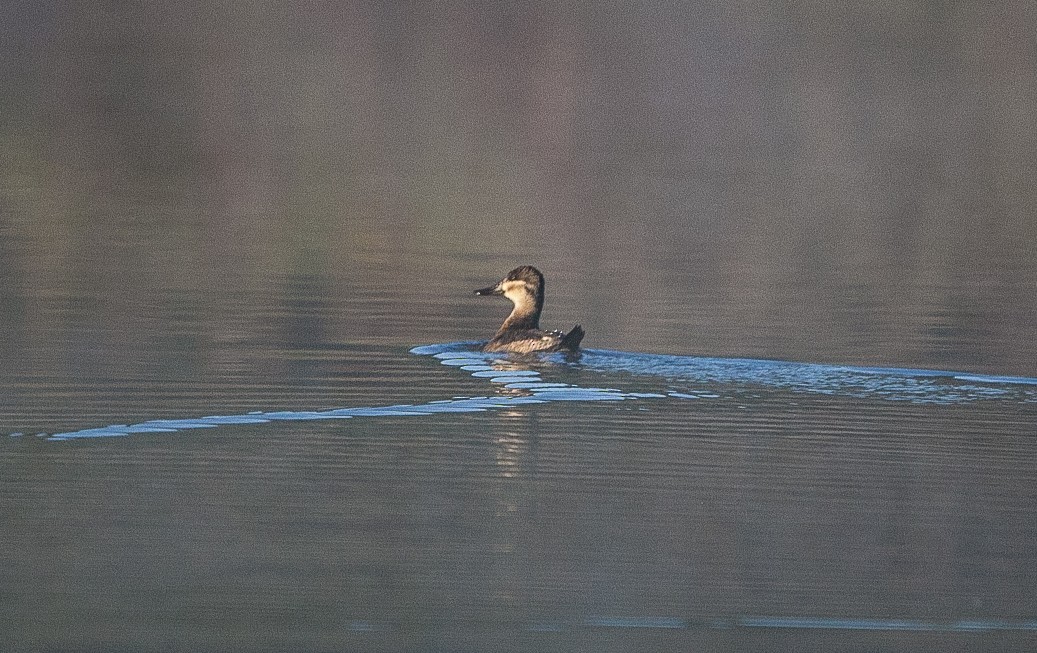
{"x":823,"y":181}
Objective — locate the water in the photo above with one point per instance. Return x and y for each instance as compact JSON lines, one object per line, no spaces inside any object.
{"x":240,"y":405}
{"x":444,"y":498}
{"x":737,"y":377}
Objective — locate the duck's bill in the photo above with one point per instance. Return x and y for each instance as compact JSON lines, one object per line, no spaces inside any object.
{"x":492,"y":290}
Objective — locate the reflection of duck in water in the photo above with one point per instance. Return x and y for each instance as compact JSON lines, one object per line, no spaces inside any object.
{"x":521,"y":332}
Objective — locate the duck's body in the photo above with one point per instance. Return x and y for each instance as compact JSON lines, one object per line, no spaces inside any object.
{"x":521,"y":332}
{"x":526,"y":341}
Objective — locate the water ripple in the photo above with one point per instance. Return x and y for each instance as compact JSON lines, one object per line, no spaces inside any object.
{"x":738,"y":375}
{"x":519,"y":382}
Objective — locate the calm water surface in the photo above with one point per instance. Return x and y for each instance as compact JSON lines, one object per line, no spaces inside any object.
{"x":241,"y":411}
{"x":440,"y":499}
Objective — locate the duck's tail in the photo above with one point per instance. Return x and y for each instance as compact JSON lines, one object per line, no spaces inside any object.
{"x":572,"y":339}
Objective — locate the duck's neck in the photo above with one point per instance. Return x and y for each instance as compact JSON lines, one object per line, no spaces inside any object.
{"x":525,"y":315}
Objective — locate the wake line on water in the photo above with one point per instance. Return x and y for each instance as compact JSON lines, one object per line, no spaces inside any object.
{"x":710,"y":378}
{"x":525,"y":381}
{"x":743,"y":376}
{"x":975,"y":626}
{"x":893,"y":384}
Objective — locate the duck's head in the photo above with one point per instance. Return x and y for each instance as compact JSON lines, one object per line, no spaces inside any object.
{"x":524,"y":286}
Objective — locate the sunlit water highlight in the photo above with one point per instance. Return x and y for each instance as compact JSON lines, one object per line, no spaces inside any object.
{"x":521,"y":381}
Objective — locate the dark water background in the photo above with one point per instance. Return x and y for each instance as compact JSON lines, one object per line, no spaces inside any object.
{"x":217,"y":210}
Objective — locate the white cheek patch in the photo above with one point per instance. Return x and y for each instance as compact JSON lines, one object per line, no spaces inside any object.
{"x":517,"y":292}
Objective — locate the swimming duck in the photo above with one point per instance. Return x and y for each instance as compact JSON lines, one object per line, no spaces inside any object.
{"x":521,"y":332}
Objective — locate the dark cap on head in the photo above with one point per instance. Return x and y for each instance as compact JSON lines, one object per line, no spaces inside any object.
{"x":526,"y":273}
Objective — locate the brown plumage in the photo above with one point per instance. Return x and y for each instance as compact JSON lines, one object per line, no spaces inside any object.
{"x":521,"y":332}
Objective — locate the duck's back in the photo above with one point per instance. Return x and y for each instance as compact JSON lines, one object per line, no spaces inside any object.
{"x":527,"y":341}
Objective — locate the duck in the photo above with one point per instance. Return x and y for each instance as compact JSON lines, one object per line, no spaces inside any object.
{"x":521,"y":332}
